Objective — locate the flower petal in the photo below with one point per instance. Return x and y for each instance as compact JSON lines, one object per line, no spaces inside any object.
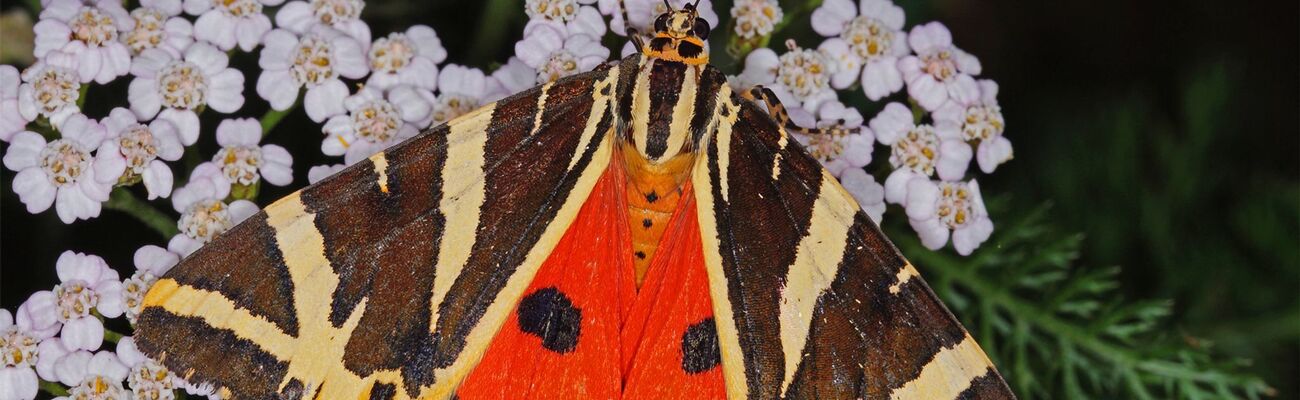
{"x":85,"y":333}
{"x":325,"y":100}
{"x":277,"y":87}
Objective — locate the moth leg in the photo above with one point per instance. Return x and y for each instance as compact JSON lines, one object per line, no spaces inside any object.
{"x":631,"y":32}
{"x":778,"y":113}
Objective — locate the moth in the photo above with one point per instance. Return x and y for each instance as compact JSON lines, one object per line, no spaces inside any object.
{"x":640,"y":231}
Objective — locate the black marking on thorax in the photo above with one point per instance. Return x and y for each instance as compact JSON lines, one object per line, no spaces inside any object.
{"x":666,"y":79}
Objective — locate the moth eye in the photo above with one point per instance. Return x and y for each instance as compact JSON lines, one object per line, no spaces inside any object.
{"x":701,"y":28}
{"x":661,"y":23}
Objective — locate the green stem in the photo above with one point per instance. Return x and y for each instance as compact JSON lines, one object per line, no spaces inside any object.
{"x":1060,"y":328}
{"x":112,"y":337}
{"x":35,"y":6}
{"x":273,"y":117}
{"x":81,"y":97}
{"x":122,"y":200}
{"x":53,"y":388}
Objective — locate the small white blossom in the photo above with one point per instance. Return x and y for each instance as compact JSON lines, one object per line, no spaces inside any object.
{"x":316,"y":60}
{"x":133,"y":150}
{"x":576,"y":17}
{"x":869,"y":194}
{"x":553,"y":55}
{"x":374,"y":122}
{"x":800,"y":78}
{"x":935,"y":209}
{"x":461,"y":90}
{"x":148,"y":378}
{"x":48,"y":90}
{"x":180,"y":87}
{"x":869,"y":35}
{"x":939,"y":71}
{"x":11,"y":119}
{"x":204,"y":213}
{"x":88,"y":34}
{"x":243,"y":162}
{"x":300,"y":16}
{"x":918,"y":151}
{"x":979,"y":122}
{"x":316,"y":173}
{"x":61,"y":172}
{"x":95,"y":376}
{"x":87,"y":287}
{"x":513,"y":77}
{"x":151,"y":262}
{"x":18,"y":357}
{"x":228,"y":23}
{"x":844,"y":143}
{"x":756,"y":18}
{"x":406,"y":58}
{"x":159,"y":26}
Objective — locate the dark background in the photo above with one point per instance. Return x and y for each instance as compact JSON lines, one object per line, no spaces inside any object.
{"x":1164,"y":131}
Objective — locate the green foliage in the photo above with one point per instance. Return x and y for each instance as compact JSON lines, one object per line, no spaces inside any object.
{"x":1057,"y":329}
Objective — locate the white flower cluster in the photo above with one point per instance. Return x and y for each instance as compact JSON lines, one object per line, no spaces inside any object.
{"x":370,"y":93}
{"x":954,"y":116}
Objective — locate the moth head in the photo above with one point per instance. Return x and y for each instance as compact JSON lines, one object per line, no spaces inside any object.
{"x":679,"y":35}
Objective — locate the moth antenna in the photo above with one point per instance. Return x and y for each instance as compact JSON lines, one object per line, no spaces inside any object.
{"x":669,"y":6}
{"x":696,"y":5}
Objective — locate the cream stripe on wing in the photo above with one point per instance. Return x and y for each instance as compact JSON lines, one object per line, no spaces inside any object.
{"x":480,"y":336}
{"x":220,"y":312}
{"x":318,"y":353}
{"x":949,"y":373}
{"x":543,"y":93}
{"x":904,"y":274}
{"x":380,"y":162}
{"x":463,"y":191}
{"x":817,"y":261}
{"x":641,"y":106}
{"x":733,"y":363}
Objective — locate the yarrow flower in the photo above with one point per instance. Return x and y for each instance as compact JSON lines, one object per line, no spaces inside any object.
{"x":92,"y":376}
{"x":374,"y":122}
{"x":406,"y":58}
{"x":936,"y":209}
{"x":316,"y":173}
{"x":133,"y":151}
{"x":462,"y":90}
{"x":574,"y":17}
{"x":148,"y":379}
{"x":316,"y":60}
{"x":159,"y":26}
{"x":300,"y":16}
{"x":979,"y":122}
{"x":918,"y":151}
{"x":180,"y":87}
{"x":939,"y":71}
{"x":60,"y":172}
{"x":18,"y":357}
{"x":866,"y":40}
{"x":204,"y":212}
{"x":843,"y":144}
{"x":553,"y":55}
{"x":869,"y":194}
{"x":513,"y":77}
{"x":151,"y":262}
{"x":87,"y":288}
{"x":49,"y":91}
{"x":87,"y":35}
{"x":228,"y":23}
{"x":755,"y":18}
{"x":243,"y":162}
{"x":11,"y":120}
{"x":799,"y":78}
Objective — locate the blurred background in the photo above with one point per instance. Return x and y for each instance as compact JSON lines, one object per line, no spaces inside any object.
{"x":1161,"y":137}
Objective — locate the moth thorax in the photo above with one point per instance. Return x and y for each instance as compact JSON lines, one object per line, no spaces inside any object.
{"x":663,"y":110}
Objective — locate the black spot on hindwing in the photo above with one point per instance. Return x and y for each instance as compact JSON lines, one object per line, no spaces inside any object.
{"x":700,"y":347}
{"x":550,"y":315}
{"x":382,"y":391}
